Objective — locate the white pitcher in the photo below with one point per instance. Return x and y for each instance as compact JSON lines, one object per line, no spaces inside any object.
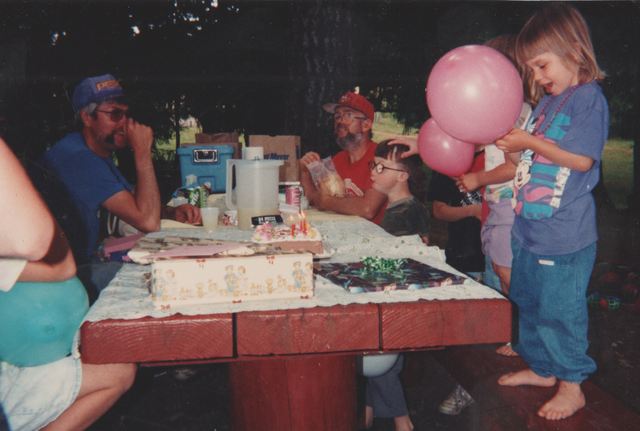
{"x":256,"y":189}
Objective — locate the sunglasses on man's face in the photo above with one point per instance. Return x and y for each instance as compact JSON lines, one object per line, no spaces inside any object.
{"x":116,"y":114}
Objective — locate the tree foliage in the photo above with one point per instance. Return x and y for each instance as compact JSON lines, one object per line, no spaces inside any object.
{"x":263,"y":67}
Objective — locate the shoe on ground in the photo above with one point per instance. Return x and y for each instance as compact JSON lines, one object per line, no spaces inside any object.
{"x":183,"y":374}
{"x":455,"y":402}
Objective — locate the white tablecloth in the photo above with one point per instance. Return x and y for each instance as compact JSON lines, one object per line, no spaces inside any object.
{"x":127,"y":296}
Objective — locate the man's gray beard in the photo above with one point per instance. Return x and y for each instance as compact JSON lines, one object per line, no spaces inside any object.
{"x":350,"y":142}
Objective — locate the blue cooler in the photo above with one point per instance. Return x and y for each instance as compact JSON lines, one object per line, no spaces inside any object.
{"x":207,"y":162}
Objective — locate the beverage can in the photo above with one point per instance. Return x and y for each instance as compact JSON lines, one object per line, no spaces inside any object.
{"x":196,"y":196}
{"x":203,"y":196}
{"x":292,"y":196}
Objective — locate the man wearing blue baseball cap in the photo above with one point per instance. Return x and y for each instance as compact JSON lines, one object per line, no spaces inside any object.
{"x":77,"y":177}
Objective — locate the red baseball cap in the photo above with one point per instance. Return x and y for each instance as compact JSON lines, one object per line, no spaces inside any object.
{"x":354,"y":101}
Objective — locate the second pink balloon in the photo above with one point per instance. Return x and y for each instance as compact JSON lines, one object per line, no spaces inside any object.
{"x":442,"y":152}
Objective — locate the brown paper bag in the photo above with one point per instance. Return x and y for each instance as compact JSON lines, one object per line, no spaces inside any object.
{"x":285,"y":148}
{"x":220,"y":139}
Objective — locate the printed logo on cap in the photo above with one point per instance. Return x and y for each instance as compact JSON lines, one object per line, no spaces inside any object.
{"x":107,"y":84}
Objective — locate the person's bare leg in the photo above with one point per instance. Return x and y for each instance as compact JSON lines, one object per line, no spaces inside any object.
{"x":368,"y":417}
{"x":504,"y":274}
{"x":403,"y":423}
{"x":102,"y":385}
{"x":568,"y":400}
{"x":526,"y":377}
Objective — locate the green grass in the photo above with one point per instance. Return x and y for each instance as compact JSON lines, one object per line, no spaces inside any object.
{"x":187,"y":135}
{"x":617,"y":169}
{"x":617,"y":159}
{"x":386,"y":127}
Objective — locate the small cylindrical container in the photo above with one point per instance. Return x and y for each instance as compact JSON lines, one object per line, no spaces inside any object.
{"x":292,"y":196}
{"x":210,"y":218}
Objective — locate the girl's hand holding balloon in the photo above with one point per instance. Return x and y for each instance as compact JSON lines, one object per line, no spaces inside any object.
{"x":514,"y":141}
{"x":468,"y":182}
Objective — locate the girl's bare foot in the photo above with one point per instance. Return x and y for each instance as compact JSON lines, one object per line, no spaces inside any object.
{"x":568,"y":400}
{"x":403,"y":423}
{"x":526,"y":377}
{"x":506,"y":350}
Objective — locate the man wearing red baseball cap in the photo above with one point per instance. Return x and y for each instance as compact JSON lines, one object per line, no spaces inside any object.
{"x":353,"y":118}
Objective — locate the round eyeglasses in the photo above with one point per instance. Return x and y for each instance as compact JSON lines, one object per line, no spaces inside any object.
{"x":347,"y":118}
{"x":116,"y":115}
{"x":379,"y":167}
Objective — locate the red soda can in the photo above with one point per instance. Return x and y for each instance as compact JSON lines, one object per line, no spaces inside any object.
{"x":292,"y":196}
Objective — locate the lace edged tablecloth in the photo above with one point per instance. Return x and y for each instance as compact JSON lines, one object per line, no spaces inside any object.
{"x":128,"y":297}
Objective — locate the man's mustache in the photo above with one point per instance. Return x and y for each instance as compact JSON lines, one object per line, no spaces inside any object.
{"x":111,"y":139}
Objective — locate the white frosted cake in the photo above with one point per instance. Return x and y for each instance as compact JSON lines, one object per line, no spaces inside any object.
{"x":297,"y":237}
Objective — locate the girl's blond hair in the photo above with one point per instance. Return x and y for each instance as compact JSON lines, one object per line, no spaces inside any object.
{"x":560,"y":29}
{"x":506,"y":44}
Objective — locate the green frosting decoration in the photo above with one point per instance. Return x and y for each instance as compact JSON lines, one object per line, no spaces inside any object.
{"x":379,"y":264}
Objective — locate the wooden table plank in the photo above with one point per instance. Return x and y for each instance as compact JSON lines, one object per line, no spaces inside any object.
{"x":148,"y":339}
{"x":354,"y":327}
{"x":444,"y":323}
{"x":312,"y":330}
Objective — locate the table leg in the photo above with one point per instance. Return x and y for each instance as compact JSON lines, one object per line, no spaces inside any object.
{"x":294,"y":393}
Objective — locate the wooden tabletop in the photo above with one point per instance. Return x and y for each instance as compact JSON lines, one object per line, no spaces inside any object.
{"x":353,"y":328}
{"x":330,"y":329}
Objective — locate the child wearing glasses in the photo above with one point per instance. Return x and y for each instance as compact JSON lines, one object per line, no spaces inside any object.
{"x":401,"y":179}
{"x":405,"y":215}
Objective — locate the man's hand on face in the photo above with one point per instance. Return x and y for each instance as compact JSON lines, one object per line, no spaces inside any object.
{"x":138,"y":136}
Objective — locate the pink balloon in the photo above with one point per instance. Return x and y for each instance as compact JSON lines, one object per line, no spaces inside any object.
{"x":475,"y":94}
{"x":444,"y":153}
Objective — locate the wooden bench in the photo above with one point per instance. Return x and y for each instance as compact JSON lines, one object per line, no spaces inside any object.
{"x":477,"y":368}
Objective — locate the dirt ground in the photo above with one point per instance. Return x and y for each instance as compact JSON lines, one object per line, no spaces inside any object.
{"x":195,"y":398}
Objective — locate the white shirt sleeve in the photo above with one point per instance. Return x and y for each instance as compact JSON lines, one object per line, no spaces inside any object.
{"x":10,"y":270}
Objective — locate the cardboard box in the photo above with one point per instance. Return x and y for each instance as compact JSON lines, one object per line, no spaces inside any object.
{"x":286,"y":148}
{"x":267,"y":274}
{"x":220,"y":139}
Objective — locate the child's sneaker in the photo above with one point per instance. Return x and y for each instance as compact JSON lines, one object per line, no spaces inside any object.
{"x":456,"y":402}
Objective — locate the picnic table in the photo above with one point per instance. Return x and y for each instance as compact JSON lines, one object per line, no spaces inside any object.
{"x":292,"y":363}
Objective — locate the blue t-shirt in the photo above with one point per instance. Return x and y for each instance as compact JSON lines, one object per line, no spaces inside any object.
{"x":555,"y":210}
{"x":74,"y":181}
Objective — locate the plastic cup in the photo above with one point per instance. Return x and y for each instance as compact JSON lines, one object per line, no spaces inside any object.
{"x":210,"y":219}
{"x":252,"y":153}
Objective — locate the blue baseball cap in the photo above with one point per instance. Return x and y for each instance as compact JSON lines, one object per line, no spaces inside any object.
{"x":96,"y":89}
